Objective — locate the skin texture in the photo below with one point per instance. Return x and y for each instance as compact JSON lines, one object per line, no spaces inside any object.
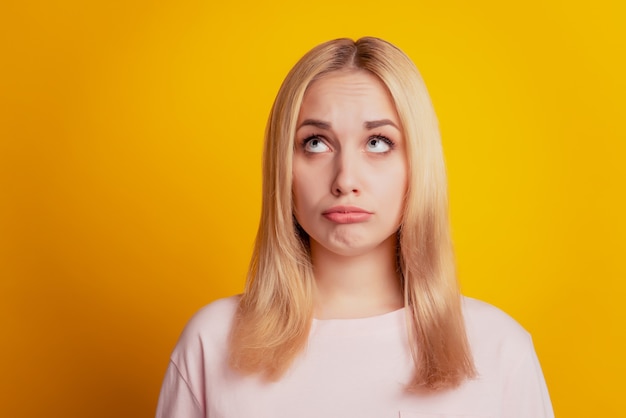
{"x":350,"y":178}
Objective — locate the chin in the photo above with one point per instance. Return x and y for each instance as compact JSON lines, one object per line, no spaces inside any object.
{"x":352,"y":249}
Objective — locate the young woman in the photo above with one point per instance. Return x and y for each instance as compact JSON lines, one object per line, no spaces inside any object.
{"x":351,"y":307}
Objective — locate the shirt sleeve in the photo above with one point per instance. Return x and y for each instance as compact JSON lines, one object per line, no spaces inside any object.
{"x":176,"y":399}
{"x":526,"y":394}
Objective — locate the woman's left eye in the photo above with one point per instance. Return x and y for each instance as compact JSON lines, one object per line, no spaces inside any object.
{"x":379,"y":144}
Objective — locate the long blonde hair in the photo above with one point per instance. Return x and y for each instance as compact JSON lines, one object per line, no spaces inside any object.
{"x":275,"y":312}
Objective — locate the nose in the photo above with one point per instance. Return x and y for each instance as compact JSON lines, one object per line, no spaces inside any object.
{"x":346,"y":177}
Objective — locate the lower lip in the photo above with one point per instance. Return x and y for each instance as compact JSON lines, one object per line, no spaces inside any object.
{"x":347,"y":217}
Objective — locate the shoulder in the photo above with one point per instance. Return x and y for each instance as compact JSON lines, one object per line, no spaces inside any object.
{"x":215,"y":316}
{"x":482,"y":317}
{"x":209,"y":327}
{"x":502,"y":349}
{"x":506,"y":360}
{"x":492,"y":332}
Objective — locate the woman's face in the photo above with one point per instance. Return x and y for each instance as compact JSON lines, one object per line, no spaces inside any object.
{"x":349,"y":166}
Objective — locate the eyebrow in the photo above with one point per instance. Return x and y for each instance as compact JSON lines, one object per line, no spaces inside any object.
{"x":378,"y":123}
{"x":315,"y":122}
{"x":320,"y":124}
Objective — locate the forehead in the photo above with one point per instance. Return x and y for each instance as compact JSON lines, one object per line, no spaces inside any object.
{"x":353,"y":88}
{"x":351,"y":81}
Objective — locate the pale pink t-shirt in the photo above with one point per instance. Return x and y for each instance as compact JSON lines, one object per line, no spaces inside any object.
{"x":354,"y":368}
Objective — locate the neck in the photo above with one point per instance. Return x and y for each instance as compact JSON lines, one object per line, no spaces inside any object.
{"x":356,"y":286}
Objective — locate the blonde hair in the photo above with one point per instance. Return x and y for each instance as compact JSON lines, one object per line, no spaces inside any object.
{"x":275,"y":312}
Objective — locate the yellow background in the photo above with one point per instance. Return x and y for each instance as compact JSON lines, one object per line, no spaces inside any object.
{"x":130,"y":147}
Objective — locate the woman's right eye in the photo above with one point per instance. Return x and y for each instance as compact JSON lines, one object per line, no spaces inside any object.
{"x":314,"y":144}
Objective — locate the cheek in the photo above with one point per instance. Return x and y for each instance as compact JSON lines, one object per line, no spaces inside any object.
{"x":305,"y":194}
{"x":307,"y":185}
{"x":393,"y":189}
{"x":395,"y":197}
{"x":391,"y":181}
{"x":301,"y":190}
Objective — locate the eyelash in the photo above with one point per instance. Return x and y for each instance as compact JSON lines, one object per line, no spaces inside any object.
{"x":385,"y":139}
{"x":305,"y":141}
{"x":310,"y":138}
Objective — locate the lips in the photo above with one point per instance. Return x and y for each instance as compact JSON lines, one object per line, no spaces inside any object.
{"x":347,"y":214}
